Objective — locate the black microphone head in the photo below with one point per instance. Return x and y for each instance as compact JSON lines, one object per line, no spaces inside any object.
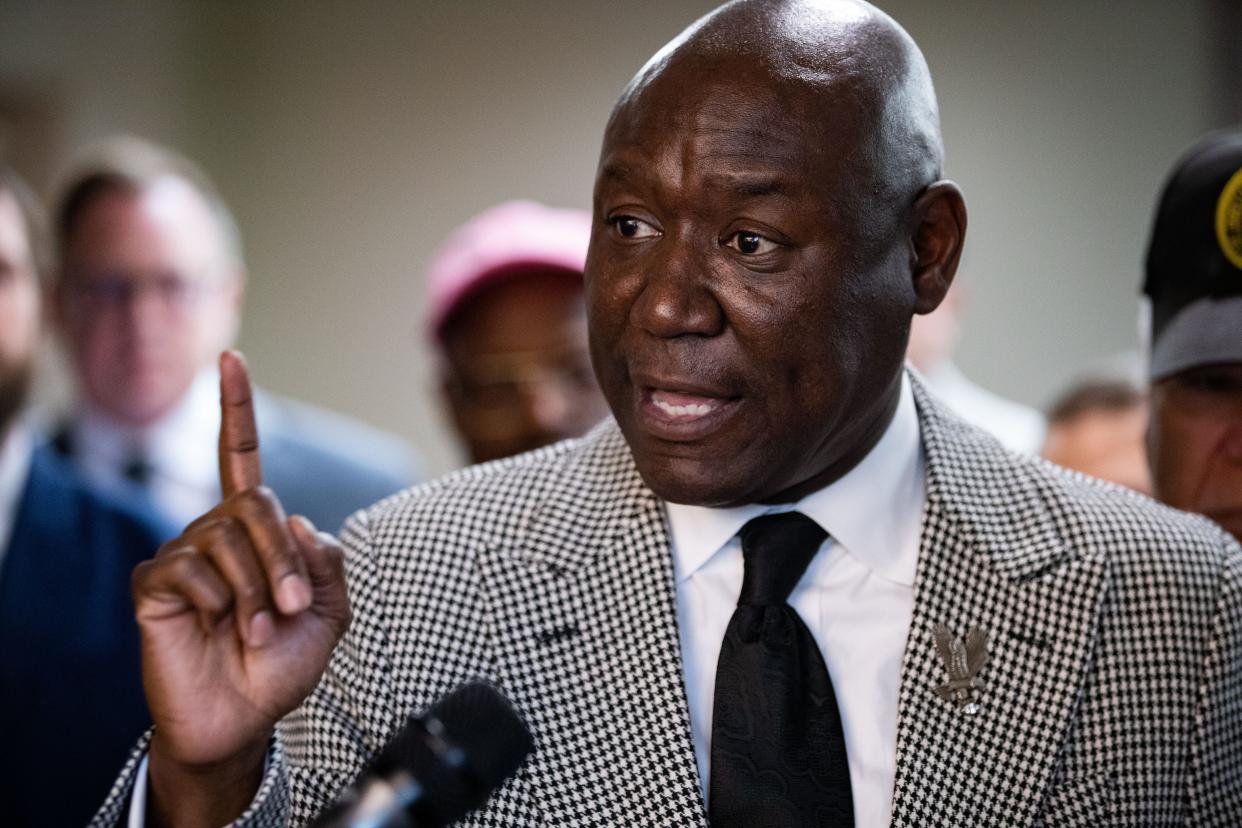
{"x":459,"y":751}
{"x":482,"y":723}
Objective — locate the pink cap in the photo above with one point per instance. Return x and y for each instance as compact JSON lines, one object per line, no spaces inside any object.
{"x":506,"y":239}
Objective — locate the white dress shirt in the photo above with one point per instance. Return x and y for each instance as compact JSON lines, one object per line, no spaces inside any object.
{"x":857,"y":598}
{"x":15,"y":448}
{"x":180,"y":448}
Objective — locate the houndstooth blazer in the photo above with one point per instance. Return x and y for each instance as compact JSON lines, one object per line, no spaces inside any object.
{"x":1112,"y":694}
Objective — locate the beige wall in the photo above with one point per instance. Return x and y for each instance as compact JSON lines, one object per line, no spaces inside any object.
{"x":352,"y":136}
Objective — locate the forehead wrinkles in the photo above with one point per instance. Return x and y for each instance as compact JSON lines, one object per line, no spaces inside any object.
{"x":728,"y":137}
{"x":726,"y":128}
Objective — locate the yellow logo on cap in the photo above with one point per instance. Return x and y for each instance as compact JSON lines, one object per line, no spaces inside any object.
{"x":1229,"y":220}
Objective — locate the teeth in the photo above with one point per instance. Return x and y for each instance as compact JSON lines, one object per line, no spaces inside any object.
{"x":691,"y":410}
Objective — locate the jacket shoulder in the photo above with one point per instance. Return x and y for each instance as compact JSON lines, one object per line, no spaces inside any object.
{"x":1142,"y":540}
{"x":493,"y":502}
{"x":1131,"y":528}
{"x":1010,"y":501}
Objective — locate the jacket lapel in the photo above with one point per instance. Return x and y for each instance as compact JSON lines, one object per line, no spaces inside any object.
{"x":993,"y":557}
{"x":584,"y":617}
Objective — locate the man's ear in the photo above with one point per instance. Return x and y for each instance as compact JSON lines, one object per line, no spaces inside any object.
{"x":234,"y":301}
{"x":237,"y":290}
{"x":937,"y":233}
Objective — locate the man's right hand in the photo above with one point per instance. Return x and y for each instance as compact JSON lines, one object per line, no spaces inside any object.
{"x":239,"y":616}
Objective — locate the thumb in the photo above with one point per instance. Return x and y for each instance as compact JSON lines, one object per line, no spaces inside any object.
{"x":325,"y":564}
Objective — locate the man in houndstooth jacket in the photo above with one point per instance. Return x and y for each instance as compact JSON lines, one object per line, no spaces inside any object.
{"x":769,"y":214}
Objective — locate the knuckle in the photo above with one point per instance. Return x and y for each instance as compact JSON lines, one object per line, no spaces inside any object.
{"x":243,"y":439}
{"x":251,"y":593}
{"x":207,"y":518}
{"x":175,"y":545}
{"x":278,"y":559}
{"x":279,"y":566}
{"x":245,"y":501}
{"x":210,"y":603}
{"x":259,"y":503}
{"x":182,"y":563}
{"x":336,"y":554}
{"x":217,"y":600}
{"x":251,"y":596}
{"x":139,"y":578}
{"x":259,"y":498}
{"x":226,"y":531}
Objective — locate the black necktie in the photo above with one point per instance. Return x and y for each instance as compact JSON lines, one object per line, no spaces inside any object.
{"x":138,"y":469}
{"x":778,"y":751}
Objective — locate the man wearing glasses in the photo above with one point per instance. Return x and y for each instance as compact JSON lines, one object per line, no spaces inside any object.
{"x":150,"y":289}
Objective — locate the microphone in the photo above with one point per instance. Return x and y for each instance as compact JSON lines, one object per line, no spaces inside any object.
{"x":440,"y":766}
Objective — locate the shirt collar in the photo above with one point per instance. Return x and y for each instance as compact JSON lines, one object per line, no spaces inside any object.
{"x":15,"y":449}
{"x":875,"y":511}
{"x":179,"y":445}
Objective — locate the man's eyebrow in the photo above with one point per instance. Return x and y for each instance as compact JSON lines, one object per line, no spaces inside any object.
{"x":612,"y":171}
{"x":747,"y":185}
{"x":756,"y":186}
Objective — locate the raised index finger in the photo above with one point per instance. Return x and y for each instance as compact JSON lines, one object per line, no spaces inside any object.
{"x":239,"y":437}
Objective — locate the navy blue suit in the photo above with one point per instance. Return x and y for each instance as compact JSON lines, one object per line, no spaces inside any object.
{"x":71,"y":700}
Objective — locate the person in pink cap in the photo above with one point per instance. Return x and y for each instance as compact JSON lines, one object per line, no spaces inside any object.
{"x":509,"y":320}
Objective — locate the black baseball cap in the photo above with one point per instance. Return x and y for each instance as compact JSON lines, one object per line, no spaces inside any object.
{"x":1194,"y":259}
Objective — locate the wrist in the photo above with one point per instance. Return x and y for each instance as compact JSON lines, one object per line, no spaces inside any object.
{"x":184,"y":795}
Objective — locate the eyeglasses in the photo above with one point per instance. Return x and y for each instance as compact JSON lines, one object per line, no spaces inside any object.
{"x":1209,"y":390}
{"x":494,"y":386}
{"x":113,"y":291}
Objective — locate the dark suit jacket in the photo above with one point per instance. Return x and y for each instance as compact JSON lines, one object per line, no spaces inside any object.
{"x":71,"y":701}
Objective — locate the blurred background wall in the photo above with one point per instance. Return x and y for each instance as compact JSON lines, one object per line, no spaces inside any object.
{"x":350,"y":137}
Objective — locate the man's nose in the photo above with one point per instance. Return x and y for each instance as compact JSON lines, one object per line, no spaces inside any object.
{"x":146,"y":305}
{"x":676,"y":299}
{"x":551,"y":407}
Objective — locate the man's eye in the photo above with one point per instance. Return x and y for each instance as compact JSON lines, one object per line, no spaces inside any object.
{"x":634,"y":228}
{"x":751,"y":244}
{"x":1213,"y":381}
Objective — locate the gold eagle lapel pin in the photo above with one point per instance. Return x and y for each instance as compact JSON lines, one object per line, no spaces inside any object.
{"x":963,"y":660}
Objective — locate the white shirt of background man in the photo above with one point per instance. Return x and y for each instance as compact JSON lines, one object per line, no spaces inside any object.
{"x":15,"y":448}
{"x":180,"y":449}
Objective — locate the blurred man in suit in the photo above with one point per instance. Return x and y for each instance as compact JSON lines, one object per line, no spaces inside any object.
{"x":508,"y":317}
{"x":70,"y":691}
{"x":1193,"y":291}
{"x":149,"y":291}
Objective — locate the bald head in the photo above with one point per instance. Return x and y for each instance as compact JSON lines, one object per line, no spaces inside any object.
{"x":845,"y":54}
